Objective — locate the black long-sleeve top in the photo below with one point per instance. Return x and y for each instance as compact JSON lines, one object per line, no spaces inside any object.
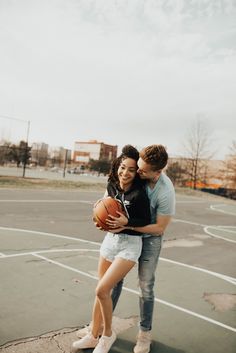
{"x":135,"y":204}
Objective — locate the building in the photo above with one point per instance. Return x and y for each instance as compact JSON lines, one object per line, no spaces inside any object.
{"x":39,"y":153}
{"x":59,"y":156}
{"x":84,"y":151}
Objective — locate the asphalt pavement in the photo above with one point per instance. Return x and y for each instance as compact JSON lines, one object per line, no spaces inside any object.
{"x":49,"y":253}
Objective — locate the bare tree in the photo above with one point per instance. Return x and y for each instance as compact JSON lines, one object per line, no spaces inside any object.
{"x":176,"y":172}
{"x":230,"y":167}
{"x":197,"y":151}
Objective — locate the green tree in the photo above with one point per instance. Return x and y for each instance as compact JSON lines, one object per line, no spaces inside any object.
{"x":101,"y":166}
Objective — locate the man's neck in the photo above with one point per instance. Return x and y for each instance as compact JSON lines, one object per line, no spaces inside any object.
{"x":152,"y":182}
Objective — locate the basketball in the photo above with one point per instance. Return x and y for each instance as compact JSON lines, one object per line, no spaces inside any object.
{"x":103,"y":208}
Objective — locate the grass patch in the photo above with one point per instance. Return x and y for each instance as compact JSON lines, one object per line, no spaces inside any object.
{"x":19,"y":182}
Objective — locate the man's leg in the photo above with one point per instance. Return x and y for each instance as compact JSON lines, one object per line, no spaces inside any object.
{"x":116,"y":292}
{"x":147,"y":267}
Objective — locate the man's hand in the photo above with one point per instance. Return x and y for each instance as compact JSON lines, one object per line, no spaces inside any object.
{"x":97,"y":225}
{"x":117,"y":222}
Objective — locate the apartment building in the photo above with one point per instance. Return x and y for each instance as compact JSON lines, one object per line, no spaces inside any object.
{"x":86,"y":150}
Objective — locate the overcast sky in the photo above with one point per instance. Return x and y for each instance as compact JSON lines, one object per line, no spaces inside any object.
{"x":119,"y":71}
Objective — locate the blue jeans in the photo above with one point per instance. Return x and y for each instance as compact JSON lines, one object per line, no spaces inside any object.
{"x":146,"y":270}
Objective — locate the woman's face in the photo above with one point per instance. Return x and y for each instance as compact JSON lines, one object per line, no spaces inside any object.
{"x":127,"y":172}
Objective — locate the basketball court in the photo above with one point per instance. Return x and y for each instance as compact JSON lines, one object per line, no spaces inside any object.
{"x":49,"y":253}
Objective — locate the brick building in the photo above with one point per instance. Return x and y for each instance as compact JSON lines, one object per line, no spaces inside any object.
{"x":84,"y":151}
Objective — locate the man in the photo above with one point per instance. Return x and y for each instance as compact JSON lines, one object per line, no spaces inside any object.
{"x":153,"y":159}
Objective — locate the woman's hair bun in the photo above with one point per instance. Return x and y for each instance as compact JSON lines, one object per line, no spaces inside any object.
{"x":130,"y":151}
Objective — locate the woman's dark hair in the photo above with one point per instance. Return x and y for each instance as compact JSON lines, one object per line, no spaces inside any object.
{"x":128,"y":151}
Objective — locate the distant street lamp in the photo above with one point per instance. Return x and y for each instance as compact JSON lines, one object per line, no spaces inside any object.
{"x":27,"y":137}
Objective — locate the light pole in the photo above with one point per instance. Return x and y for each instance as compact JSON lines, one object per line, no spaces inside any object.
{"x":65,"y":163}
{"x":27,"y":137}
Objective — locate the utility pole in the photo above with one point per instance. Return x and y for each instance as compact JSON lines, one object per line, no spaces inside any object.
{"x":65,"y":163}
{"x":26,"y":148}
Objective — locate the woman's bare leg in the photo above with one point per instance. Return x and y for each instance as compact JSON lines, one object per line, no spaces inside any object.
{"x":114,"y":273}
{"x":103,"y":265}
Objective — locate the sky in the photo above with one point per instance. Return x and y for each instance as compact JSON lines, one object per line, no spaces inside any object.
{"x":118,"y":71}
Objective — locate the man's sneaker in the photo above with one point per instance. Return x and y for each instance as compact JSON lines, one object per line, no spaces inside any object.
{"x":87,"y":341}
{"x":105,"y":343}
{"x":143,"y":343}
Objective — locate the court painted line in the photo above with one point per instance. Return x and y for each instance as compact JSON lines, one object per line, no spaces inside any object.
{"x":226,"y":278}
{"x":206,"y":229}
{"x":226,"y":229}
{"x":77,"y":201}
{"x":173,"y":306}
{"x":188,"y":222}
{"x":214,"y":208}
{"x":189,"y":201}
{"x":219,"y":275}
{"x":51,"y":251}
{"x":20,"y":230}
{"x":49,"y":201}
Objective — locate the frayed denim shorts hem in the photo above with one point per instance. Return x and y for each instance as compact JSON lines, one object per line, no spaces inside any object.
{"x":127,"y":247}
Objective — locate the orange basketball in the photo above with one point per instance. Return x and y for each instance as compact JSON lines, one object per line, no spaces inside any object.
{"x":103,"y":208}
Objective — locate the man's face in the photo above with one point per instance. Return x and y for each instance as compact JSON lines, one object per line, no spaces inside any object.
{"x":145,"y":171}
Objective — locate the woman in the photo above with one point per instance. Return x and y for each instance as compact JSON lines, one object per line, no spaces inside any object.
{"x":119,"y":251}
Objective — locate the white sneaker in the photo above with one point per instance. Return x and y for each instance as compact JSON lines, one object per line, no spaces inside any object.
{"x":143,"y":343}
{"x":105,"y":343}
{"x":85,"y":330}
{"x":87,"y":341}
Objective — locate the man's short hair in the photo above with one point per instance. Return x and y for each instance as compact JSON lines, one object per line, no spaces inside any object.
{"x":155,"y":155}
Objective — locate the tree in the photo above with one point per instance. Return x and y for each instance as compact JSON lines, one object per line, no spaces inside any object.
{"x":230,"y":167}
{"x":21,"y":153}
{"x":176,"y":173}
{"x":197,"y":151}
{"x":5,"y":153}
{"x":101,"y":166}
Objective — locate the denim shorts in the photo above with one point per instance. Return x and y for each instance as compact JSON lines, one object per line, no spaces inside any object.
{"x":121,"y":245}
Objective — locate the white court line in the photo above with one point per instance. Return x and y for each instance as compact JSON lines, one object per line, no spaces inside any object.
{"x":218,"y":236}
{"x":49,"y":201}
{"x":192,"y":313}
{"x":51,"y":251}
{"x":224,"y":228}
{"x":50,"y":235}
{"x":226,"y":278}
{"x":219,"y":275}
{"x":76,"y":201}
{"x":127,"y":289}
{"x":214,"y":208}
{"x":189,"y":201}
{"x":188,"y":222}
{"x":205,"y":228}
